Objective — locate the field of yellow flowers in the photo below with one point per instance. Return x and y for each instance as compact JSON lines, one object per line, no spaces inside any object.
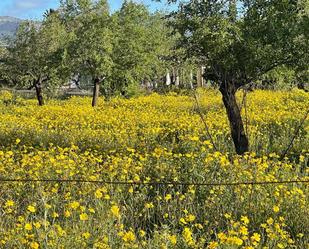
{"x":146,"y":140}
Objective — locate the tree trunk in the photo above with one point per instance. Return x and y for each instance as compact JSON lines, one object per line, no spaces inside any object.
{"x":96,"y":92}
{"x":204,"y":81}
{"x":198,"y":78}
{"x":202,"y":76}
{"x":177,"y":78}
{"x":173,"y":77}
{"x":237,"y":127}
{"x":38,"y":90}
{"x":168,"y":79}
{"x":191,"y":80}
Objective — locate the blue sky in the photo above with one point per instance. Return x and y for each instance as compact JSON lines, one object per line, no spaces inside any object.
{"x":33,"y":9}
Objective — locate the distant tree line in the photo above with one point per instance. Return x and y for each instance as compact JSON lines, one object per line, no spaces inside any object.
{"x":84,"y":42}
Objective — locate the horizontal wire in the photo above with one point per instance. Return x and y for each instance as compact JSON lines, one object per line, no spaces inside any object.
{"x":151,"y":183}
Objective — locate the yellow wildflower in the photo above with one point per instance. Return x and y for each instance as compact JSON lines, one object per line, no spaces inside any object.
{"x":213,"y":245}
{"x":244,"y":219}
{"x":74,"y":204}
{"x":187,"y":235}
{"x":276,"y":209}
{"x":9,"y":203}
{"x":149,"y":205}
{"x":190,"y":218}
{"x":31,"y":209}
{"x":173,"y":239}
{"x":270,"y":221}
{"x":83,"y":217}
{"x":37,"y":225}
{"x":34,"y":245}
{"x":115,"y":211}
{"x":131,"y":190}
{"x":182,"y":221}
{"x":243,"y":230}
{"x":86,"y":235}
{"x":28,"y":226}
{"x":168,"y":197}
{"x":129,"y":237}
{"x":142,"y":233}
{"x":98,"y":194}
{"x":67,"y":213}
{"x":256,"y":237}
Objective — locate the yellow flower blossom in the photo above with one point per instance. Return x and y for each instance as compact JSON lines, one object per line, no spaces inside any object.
{"x":243,"y":230}
{"x":256,"y":237}
{"x":142,"y":233}
{"x":276,"y":209}
{"x":190,"y":218}
{"x":67,"y":213}
{"x":213,"y":245}
{"x":270,"y":221}
{"x":131,"y":190}
{"x":83,"y":216}
{"x":149,"y":205}
{"x":9,"y":203}
{"x":34,"y":245}
{"x":37,"y":225}
{"x":28,"y":226}
{"x":245,"y":220}
{"x":173,"y":239}
{"x":31,"y":209}
{"x":98,"y":194}
{"x":115,"y":211}
{"x":129,"y":236}
{"x":74,"y":205}
{"x":187,"y":235}
{"x":168,"y":197}
{"x":86,"y":235}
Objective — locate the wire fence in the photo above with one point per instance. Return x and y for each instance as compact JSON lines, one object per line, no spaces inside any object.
{"x":75,"y":181}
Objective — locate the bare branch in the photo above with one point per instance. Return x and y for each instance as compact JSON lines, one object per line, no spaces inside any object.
{"x":204,"y":121}
{"x":295,"y":135}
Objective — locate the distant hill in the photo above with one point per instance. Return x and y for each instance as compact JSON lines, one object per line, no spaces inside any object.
{"x":8,"y":27}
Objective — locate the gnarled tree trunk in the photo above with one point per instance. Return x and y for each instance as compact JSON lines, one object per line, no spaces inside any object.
{"x":38,"y":90}
{"x":237,"y":127}
{"x":96,"y":92}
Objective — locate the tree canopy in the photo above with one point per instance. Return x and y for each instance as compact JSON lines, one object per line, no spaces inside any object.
{"x":240,"y":41}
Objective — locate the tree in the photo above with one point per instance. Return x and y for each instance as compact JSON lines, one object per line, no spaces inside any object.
{"x":90,"y":51}
{"x":240,"y":41}
{"x":141,"y":43}
{"x":3,"y":71}
{"x":36,"y":54}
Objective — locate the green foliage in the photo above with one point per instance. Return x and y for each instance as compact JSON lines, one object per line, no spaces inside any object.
{"x":3,"y":71}
{"x":36,"y":53}
{"x":90,"y":50}
{"x":134,"y":90}
{"x":141,"y":44}
{"x":241,"y":44}
{"x":279,"y":78}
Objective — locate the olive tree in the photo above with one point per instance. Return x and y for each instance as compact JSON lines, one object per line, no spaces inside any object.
{"x":141,"y":43}
{"x":91,"y":48}
{"x":239,"y":41}
{"x":35,"y":55}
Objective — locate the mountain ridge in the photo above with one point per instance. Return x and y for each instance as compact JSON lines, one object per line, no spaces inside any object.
{"x":8,"y":27}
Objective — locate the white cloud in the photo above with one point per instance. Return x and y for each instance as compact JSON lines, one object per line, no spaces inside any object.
{"x":28,"y":4}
